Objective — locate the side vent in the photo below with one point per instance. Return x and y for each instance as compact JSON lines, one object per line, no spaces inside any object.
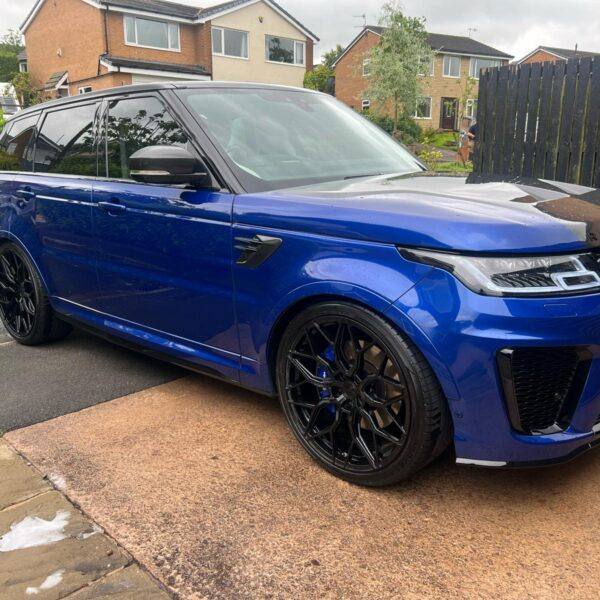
{"x":255,"y":251}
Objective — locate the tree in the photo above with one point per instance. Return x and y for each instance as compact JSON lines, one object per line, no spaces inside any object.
{"x":27,"y":93}
{"x":397,"y":62}
{"x":319,"y":79}
{"x":10,"y":45}
{"x":330,"y":57}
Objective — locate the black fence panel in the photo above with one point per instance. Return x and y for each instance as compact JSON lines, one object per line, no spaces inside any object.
{"x":541,"y":120}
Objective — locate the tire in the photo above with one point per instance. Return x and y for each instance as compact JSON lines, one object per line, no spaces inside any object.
{"x":25,"y":308}
{"x":359,"y":396}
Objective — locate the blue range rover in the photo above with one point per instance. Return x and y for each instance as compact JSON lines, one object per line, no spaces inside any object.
{"x":274,"y":238}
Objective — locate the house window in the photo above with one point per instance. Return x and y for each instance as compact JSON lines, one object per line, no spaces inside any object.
{"x":366,"y":105}
{"x":482,"y":63}
{"x":423,"y":110}
{"x":451,"y":66}
{"x":426,"y":67}
{"x":471,"y":109}
{"x":284,"y":50}
{"x":366,"y":67}
{"x":229,"y":42}
{"x":85,"y":90}
{"x":23,"y":67}
{"x":148,"y":33}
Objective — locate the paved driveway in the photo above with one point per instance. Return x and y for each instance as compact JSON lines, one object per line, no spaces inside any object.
{"x":44,"y":382}
{"x":206,"y":486}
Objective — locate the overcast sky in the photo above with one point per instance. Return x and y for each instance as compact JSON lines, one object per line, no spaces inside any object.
{"x":515,"y":26}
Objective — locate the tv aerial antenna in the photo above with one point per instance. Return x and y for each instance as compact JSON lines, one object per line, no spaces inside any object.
{"x":471,"y":30}
{"x":364,"y":18}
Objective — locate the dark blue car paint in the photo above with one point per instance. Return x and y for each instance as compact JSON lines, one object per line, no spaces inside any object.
{"x":161,"y":272}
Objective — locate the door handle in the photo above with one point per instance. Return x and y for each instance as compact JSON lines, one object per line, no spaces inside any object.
{"x":112,"y":208}
{"x":25,"y":194}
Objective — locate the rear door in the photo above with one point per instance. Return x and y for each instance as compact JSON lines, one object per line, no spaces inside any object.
{"x":55,"y":221}
{"x":164,"y":262}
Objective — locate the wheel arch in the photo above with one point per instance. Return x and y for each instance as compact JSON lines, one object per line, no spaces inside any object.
{"x":8,"y":237}
{"x":375,"y":304}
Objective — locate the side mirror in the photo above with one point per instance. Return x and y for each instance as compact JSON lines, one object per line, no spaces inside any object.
{"x":167,"y":165}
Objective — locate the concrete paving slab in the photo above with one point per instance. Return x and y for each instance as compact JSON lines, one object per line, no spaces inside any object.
{"x":49,"y":549}
{"x":204,"y":484}
{"x":130,"y":583}
{"x":19,"y":482}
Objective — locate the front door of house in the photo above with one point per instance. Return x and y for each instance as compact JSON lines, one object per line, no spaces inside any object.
{"x":448,"y":112}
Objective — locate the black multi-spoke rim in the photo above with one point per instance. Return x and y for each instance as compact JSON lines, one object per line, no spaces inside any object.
{"x":17,"y":294}
{"x":348,"y":396}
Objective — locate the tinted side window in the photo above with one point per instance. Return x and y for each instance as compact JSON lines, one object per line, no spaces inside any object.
{"x":136,"y":123}
{"x":16,"y":148}
{"x":66,"y":142}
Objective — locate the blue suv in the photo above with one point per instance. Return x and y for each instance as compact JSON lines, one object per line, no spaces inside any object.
{"x":276,"y":239}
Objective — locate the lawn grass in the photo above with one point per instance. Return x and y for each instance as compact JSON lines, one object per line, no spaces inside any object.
{"x":454,"y":168}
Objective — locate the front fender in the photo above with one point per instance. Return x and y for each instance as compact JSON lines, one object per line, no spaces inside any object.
{"x":305,"y":268}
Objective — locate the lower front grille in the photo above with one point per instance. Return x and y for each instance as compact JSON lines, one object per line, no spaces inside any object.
{"x":542,"y":386}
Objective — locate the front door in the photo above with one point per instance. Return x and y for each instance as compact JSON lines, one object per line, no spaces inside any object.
{"x":449,"y":112}
{"x":164,"y":252}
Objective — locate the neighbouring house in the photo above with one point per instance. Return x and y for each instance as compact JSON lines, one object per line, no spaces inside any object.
{"x":8,"y":100}
{"x":79,"y":46}
{"x":548,"y":54}
{"x":455,"y":60}
{"x":22,"y":58}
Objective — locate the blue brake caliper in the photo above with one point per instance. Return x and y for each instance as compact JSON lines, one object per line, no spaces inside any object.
{"x":329,"y":356}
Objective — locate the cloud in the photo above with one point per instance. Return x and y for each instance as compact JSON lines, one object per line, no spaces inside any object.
{"x":515,"y":26}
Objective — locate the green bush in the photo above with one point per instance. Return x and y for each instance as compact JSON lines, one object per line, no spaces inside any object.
{"x":408,"y":130}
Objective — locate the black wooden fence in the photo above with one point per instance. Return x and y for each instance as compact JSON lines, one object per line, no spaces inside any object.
{"x":541,"y":120}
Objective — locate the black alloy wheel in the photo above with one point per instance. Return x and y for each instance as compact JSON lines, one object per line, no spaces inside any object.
{"x":25,"y":307}
{"x":18,"y":301}
{"x":358,"y":396}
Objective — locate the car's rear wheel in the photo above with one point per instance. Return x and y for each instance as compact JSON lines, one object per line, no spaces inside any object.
{"x":25,"y":308}
{"x":359,"y":396}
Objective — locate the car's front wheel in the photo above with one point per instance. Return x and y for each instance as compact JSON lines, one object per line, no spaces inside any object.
{"x":359,"y":396}
{"x":25,"y":308}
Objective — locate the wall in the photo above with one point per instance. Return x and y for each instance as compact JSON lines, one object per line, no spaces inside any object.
{"x":541,"y":56}
{"x":53,"y":29}
{"x":256,"y":68}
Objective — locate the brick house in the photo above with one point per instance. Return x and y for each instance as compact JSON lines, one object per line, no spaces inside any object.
{"x":455,"y":59}
{"x":548,"y":54}
{"x":78,"y":46}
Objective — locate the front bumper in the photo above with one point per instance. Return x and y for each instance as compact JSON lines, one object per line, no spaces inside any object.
{"x":461,"y":334}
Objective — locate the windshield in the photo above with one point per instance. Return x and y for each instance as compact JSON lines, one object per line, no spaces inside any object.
{"x":283,"y":138}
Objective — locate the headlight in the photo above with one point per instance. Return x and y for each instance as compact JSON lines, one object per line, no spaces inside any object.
{"x":512,"y":276}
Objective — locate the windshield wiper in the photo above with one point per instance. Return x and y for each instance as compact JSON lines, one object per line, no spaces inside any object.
{"x":359,"y":176}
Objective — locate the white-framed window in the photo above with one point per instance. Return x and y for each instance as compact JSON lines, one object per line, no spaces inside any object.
{"x":482,"y":63}
{"x":451,"y":66}
{"x":366,"y":67}
{"x":86,"y":89}
{"x":285,"y":50}
{"x":150,"y":33}
{"x":229,"y":42}
{"x":423,"y":110}
{"x":471,"y":108}
{"x":366,"y":104}
{"x":427,"y":67}
{"x":23,"y":67}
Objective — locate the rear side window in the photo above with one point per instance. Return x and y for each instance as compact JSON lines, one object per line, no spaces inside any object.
{"x":133,"y":124}
{"x":16,"y":147}
{"x":66,"y":143}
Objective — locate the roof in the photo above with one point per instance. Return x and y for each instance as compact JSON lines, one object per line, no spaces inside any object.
{"x":440,"y":42}
{"x":177,"y":10}
{"x":55,"y":79}
{"x":159,"y":7}
{"x":149,"y":87}
{"x":153,"y":65}
{"x":22,"y":55}
{"x":562,"y":53}
{"x":211,"y":11}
